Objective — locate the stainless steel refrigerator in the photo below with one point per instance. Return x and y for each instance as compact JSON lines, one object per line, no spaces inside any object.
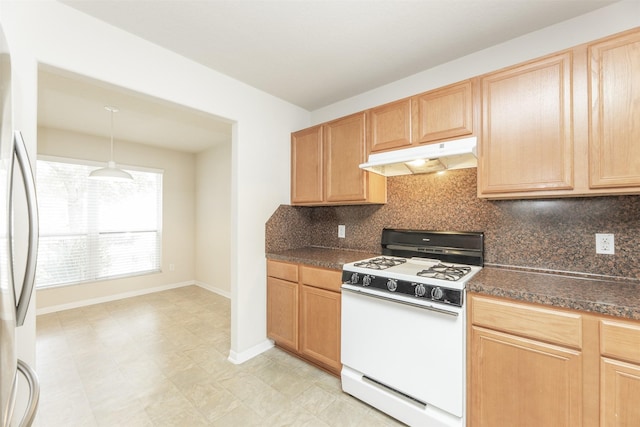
{"x":14,"y":297}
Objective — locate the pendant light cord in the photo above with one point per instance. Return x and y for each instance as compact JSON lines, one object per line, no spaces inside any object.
{"x":111,"y":109}
{"x":111,"y":157}
{"x":111,"y":172}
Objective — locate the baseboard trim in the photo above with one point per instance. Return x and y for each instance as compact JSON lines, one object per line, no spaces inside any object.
{"x":114,"y":297}
{"x":213,"y":289}
{"x":239,"y":358}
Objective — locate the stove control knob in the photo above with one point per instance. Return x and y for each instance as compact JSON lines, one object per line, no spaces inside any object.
{"x":437,"y":293}
{"x":392,"y":285}
{"x":366,"y":280}
{"x":420,"y":290}
{"x":354,"y":278}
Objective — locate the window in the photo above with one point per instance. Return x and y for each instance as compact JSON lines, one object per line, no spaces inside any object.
{"x":94,"y":230}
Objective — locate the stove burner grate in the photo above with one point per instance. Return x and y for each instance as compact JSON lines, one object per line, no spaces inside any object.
{"x":380,"y":263}
{"x":445,"y":272}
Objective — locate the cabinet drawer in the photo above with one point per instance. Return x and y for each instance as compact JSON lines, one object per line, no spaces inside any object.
{"x":548,"y":325}
{"x":620,"y":340}
{"x":321,"y":278}
{"x":282,"y":270}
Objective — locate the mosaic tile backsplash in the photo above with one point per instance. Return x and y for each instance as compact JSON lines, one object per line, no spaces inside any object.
{"x":553,"y":234}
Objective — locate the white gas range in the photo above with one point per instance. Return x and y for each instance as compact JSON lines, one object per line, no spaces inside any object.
{"x":403,"y":325}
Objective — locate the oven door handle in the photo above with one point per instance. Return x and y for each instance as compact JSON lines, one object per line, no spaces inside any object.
{"x":425,"y":307}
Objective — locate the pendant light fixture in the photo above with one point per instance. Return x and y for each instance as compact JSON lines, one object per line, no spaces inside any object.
{"x":111,"y":172}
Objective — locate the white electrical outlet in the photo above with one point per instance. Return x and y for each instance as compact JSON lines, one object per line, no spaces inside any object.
{"x":341,"y":231}
{"x":605,"y":244}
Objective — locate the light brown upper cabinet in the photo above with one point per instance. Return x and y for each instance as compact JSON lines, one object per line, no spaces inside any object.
{"x":325,"y":163}
{"x":527,"y":138}
{"x":307,"y":171}
{"x":564,"y":125}
{"x":444,"y":113}
{"x":345,"y":149}
{"x":614,"y":98}
{"x":390,"y":126}
{"x":429,"y":117}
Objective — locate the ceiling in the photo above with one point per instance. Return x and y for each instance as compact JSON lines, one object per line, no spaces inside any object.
{"x":311,"y":53}
{"x":71,"y":102}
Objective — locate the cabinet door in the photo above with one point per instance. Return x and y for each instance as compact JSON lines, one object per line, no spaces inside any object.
{"x":345,"y":150}
{"x":444,"y":113}
{"x":527,"y":138}
{"x":521,"y":382}
{"x":320,"y":326}
{"x":619,"y":391}
{"x":619,"y":379}
{"x":306,"y":166}
{"x":390,"y":126}
{"x":614,"y":67}
{"x":282,"y":312}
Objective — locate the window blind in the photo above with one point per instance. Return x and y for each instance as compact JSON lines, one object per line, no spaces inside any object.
{"x":95,"y":230}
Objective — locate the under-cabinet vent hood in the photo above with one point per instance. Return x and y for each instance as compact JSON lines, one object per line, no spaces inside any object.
{"x":457,"y":154}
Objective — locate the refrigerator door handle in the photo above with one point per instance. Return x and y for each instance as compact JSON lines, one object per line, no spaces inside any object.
{"x":34,"y":393}
{"x":32,"y":206}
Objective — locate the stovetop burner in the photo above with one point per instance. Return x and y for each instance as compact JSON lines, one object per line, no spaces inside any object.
{"x":423,"y":267}
{"x":445,"y":272}
{"x":380,"y":263}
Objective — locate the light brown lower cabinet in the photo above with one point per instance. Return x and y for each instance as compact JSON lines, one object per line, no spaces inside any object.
{"x":531,"y":365}
{"x":619,"y":373}
{"x":282,"y":303}
{"x":524,"y":382}
{"x":282,"y":312}
{"x":303,"y":312}
{"x":320,"y":326}
{"x":620,"y":393}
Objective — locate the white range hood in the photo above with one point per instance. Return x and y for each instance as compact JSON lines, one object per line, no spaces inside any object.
{"x":427,"y":158}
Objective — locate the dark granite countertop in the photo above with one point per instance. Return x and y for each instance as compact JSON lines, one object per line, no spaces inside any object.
{"x":608,"y":296}
{"x":320,"y":257}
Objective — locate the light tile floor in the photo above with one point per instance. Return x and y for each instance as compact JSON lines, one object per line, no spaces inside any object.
{"x":161,"y":360}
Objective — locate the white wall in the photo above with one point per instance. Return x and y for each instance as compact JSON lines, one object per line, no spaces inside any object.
{"x":213,"y":218}
{"x":600,"y":23}
{"x":178,"y":216}
{"x":51,"y":33}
